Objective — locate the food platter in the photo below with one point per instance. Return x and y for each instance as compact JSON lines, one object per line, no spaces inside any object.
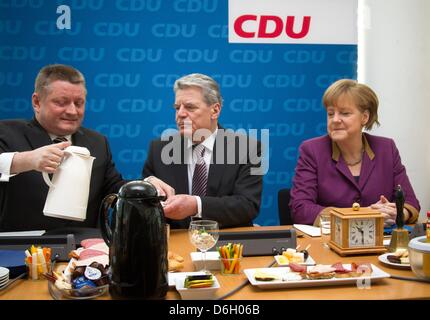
{"x":383,"y":258}
{"x":280,"y":273}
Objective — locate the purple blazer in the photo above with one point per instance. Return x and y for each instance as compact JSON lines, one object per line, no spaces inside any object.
{"x":322,"y":178}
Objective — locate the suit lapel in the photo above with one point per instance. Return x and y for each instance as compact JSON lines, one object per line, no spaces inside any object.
{"x":366,"y":170}
{"x":36,"y":136}
{"x":180,"y":172}
{"x":343,"y":169}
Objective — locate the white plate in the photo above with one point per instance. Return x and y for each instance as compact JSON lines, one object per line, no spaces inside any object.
{"x":207,"y":293}
{"x":377,"y":274}
{"x":172,"y":276}
{"x":309,"y":262}
{"x":383,"y":258}
{"x":4,"y":272}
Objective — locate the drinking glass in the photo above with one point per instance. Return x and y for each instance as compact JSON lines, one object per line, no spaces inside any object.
{"x":203,"y":235}
{"x":325,"y":229}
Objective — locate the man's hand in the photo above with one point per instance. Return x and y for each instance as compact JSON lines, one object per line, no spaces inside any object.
{"x":180,"y":206}
{"x":163,"y":188}
{"x":388,"y":210}
{"x":43,"y":159}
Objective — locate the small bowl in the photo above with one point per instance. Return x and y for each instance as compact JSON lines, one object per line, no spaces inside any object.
{"x":212,"y":260}
{"x":196,"y":293}
{"x":419,"y":257}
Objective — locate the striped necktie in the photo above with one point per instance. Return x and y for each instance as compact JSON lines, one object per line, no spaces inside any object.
{"x":59,"y":139}
{"x":200,"y":177}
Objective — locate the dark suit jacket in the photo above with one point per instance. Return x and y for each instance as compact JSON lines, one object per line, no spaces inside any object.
{"x":322,"y":178}
{"x":22,"y":198}
{"x":233,"y":195}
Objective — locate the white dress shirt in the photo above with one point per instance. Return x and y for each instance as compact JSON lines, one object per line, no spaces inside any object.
{"x":6,"y":161}
{"x":208,"y":143}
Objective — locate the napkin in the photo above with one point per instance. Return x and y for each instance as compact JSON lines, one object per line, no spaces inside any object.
{"x":309,"y":230}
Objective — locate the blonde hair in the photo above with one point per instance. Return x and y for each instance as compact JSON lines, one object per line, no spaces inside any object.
{"x":362,"y":95}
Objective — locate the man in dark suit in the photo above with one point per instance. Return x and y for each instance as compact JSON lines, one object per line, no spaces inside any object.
{"x":27,"y":149}
{"x":205,"y":171}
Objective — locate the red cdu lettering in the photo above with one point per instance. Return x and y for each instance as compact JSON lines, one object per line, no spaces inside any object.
{"x":269,"y":26}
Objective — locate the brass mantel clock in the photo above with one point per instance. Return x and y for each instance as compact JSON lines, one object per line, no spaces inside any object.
{"x":356,"y":231}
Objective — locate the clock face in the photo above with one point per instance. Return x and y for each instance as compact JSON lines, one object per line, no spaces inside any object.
{"x":362,"y":232}
{"x":338,"y":231}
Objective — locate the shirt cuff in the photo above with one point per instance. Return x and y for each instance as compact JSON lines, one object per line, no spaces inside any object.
{"x":199,"y":207}
{"x":5,"y":164}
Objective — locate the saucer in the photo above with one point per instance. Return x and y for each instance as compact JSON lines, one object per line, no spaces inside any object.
{"x":383,"y":258}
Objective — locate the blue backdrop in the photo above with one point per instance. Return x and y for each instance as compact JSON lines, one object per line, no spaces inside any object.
{"x":132,"y":51}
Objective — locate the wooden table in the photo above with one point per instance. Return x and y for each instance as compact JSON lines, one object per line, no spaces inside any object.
{"x":179,"y":243}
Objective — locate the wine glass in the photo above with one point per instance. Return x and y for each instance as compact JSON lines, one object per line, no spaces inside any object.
{"x":203,"y":235}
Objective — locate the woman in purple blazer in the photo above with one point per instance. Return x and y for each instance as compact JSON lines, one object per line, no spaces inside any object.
{"x":347,"y":165}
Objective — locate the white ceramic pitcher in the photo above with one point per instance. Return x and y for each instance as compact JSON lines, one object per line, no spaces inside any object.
{"x":69,"y":189}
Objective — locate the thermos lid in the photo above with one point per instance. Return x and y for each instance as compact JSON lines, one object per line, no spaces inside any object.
{"x":138,"y":189}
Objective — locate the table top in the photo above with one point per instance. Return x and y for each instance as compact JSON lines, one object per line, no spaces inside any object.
{"x":384,"y":289}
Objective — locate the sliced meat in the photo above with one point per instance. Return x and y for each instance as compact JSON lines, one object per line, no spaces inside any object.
{"x":339,"y":268}
{"x":89,"y":253}
{"x":86,"y":243}
{"x":297,"y":267}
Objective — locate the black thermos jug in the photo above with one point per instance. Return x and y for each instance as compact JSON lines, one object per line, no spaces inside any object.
{"x":135,"y":232}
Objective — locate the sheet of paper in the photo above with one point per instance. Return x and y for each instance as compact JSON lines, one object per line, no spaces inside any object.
{"x":31,"y":233}
{"x":309,"y":230}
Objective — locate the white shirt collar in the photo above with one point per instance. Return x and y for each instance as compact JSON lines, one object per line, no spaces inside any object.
{"x":208,"y":143}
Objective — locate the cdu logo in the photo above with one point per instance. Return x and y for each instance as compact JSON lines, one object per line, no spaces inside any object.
{"x":138,"y":5}
{"x":282,"y":178}
{"x":139,"y":55}
{"x":132,"y":156}
{"x":196,"y":55}
{"x":120,"y":130}
{"x":140,"y":105}
{"x":251,"y":105}
{"x":284,"y":81}
{"x":12,"y":79}
{"x":305,"y":56}
{"x":22,"y":53}
{"x":173,"y":30}
{"x":286,"y":129}
{"x":163,"y":80}
{"x":251,"y":56}
{"x":218,"y":31}
{"x":33,"y":4}
{"x":116,"y":80}
{"x":15,"y":105}
{"x":302,"y":105}
{"x":346,"y":57}
{"x":10,"y":26}
{"x":95,"y":105}
{"x":81,"y":54}
{"x":233,"y":80}
{"x":93,"y":5}
{"x":116,"y":29}
{"x":325,"y":80}
{"x":194,"y":6}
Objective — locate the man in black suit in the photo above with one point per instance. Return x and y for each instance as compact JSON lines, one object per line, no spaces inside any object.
{"x":205,"y":171}
{"x":26,"y":150}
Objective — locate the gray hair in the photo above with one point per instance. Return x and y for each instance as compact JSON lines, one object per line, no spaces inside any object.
{"x":209,"y":86}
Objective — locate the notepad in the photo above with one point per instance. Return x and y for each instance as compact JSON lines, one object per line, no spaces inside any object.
{"x":309,"y":230}
{"x":31,"y":233}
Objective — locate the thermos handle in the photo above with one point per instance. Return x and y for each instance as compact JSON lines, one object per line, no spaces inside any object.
{"x":107,"y":203}
{"x":47,"y":180}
